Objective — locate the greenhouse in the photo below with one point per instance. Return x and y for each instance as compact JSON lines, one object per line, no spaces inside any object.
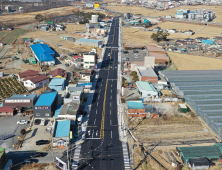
{"x":202,"y":91}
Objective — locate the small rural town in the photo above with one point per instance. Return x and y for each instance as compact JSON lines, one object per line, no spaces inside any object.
{"x":111,"y":85}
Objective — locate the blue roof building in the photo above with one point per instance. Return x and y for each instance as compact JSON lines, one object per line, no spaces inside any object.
{"x":46,"y":105}
{"x":135,"y":105}
{"x":210,"y":42}
{"x":89,"y":42}
{"x":61,"y":134}
{"x":58,"y":110}
{"x":43,"y":53}
{"x":57,"y":84}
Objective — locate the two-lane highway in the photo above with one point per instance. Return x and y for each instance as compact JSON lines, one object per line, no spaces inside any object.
{"x":102,"y":149}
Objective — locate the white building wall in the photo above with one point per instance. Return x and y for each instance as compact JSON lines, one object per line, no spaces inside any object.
{"x":30,"y":84}
{"x":89,"y":60}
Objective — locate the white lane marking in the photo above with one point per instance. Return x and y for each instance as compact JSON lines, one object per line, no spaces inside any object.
{"x":111,"y":97}
{"x":92,"y":133}
{"x":89,"y":132}
{"x":96,"y":111}
{"x":110,"y":112}
{"x":99,"y":96}
{"x":111,"y":134}
{"x":111,"y":90}
{"x":101,"y":85}
{"x":110,"y":122}
{"x":96,"y":132}
{"x":112,"y":84}
{"x":94,"y":121}
{"x":110,"y":104}
{"x":97,"y":103}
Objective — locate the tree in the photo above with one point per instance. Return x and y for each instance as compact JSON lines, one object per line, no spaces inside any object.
{"x":23,"y":131}
{"x":134,"y":73}
{"x":160,"y":35}
{"x":39,"y":17}
{"x":135,"y":78}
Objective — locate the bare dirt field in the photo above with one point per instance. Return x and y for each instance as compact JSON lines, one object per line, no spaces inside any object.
{"x":132,"y":35}
{"x":191,"y":62}
{"x":25,"y":17}
{"x":102,"y":12}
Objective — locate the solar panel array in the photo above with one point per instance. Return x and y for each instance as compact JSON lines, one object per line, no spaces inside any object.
{"x":202,"y":91}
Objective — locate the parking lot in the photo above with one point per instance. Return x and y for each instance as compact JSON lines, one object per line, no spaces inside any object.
{"x":134,"y":55}
{"x":131,"y":94}
{"x":8,"y":125}
{"x":37,"y":133}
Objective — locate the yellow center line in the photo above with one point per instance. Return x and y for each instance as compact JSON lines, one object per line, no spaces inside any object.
{"x":104,"y":108}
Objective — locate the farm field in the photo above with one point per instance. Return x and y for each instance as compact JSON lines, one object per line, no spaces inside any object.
{"x":28,"y":17}
{"x":191,"y":62}
{"x":12,"y":36}
{"x":3,"y":33}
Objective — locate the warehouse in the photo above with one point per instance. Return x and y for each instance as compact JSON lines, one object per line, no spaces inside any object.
{"x":202,"y":92}
{"x":57,"y":84}
{"x":136,"y":109}
{"x":89,"y":42}
{"x":147,"y":75}
{"x":61,"y":134}
{"x":21,"y":101}
{"x":146,"y":90}
{"x":43,"y":54}
{"x":46,"y":105}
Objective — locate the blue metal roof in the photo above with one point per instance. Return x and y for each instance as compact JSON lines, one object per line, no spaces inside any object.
{"x":46,"y":99}
{"x":211,"y":42}
{"x":43,"y":52}
{"x":135,"y":105}
{"x":58,"y":110}
{"x":88,"y":40}
{"x":28,"y":96}
{"x":57,"y":81}
{"x":62,"y":128}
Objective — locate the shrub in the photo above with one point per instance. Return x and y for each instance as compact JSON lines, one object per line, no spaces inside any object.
{"x":164,"y":116}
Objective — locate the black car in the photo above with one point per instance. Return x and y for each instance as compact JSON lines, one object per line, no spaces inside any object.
{"x":42,"y":142}
{"x":37,"y":121}
{"x":38,"y":154}
{"x":135,"y":51}
{"x":125,"y":52}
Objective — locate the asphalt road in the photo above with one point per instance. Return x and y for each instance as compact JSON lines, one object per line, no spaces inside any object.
{"x":104,"y":152}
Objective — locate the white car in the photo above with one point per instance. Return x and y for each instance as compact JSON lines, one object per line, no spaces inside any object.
{"x":109,"y":54}
{"x":22,"y":122}
{"x":42,"y":122}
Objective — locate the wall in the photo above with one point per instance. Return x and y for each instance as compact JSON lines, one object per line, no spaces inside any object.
{"x":138,"y":115}
{"x":6,"y":114}
{"x":148,"y":94}
{"x":90,"y":59}
{"x":136,"y":111}
{"x":28,"y":83}
{"x":149,"y":61}
{"x":149,"y":79}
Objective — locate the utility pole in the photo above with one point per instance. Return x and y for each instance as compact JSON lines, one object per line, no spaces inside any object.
{"x":67,"y":155}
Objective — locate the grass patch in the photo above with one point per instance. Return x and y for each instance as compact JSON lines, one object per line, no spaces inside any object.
{"x":12,"y":36}
{"x":3,"y":33}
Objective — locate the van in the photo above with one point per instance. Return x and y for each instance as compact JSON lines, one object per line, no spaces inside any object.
{"x":42,"y":122}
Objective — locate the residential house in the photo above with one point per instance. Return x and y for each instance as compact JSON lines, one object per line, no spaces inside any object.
{"x":1,"y":74}
{"x":189,"y":32}
{"x":180,"y":42}
{"x":28,"y":73}
{"x":58,"y":73}
{"x":199,"y":39}
{"x":35,"y":82}
{"x":77,"y":61}
{"x":208,"y":42}
{"x":57,"y":84}
{"x":69,"y":111}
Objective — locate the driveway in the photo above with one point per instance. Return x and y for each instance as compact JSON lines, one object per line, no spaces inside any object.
{"x":8,"y":125}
